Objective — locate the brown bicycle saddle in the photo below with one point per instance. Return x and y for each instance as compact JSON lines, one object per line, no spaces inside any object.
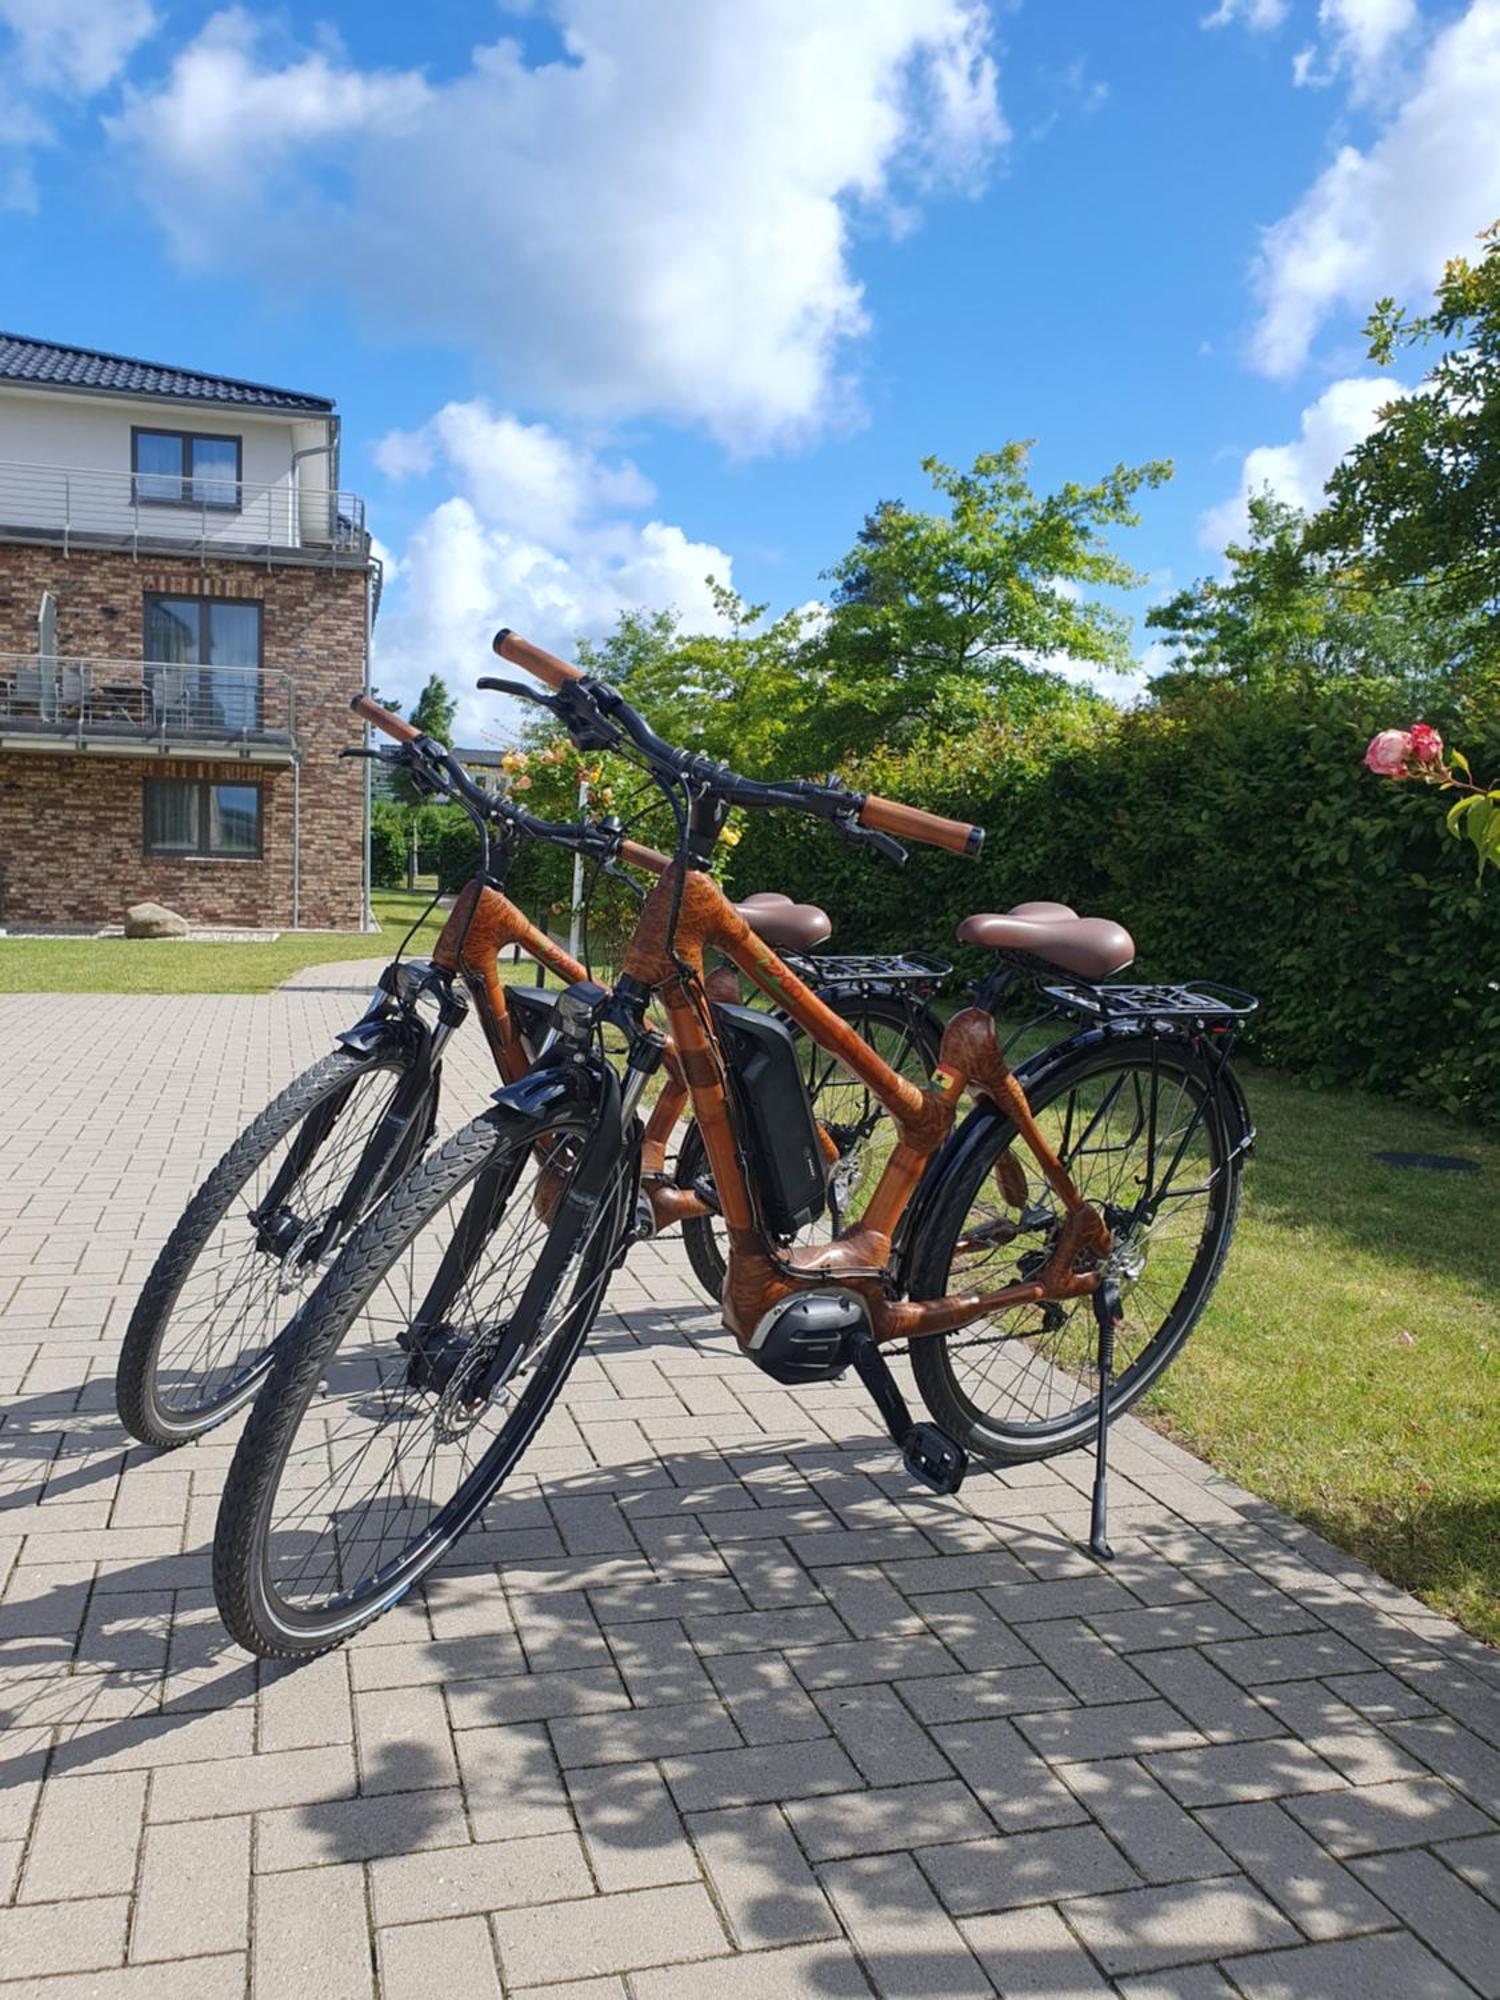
{"x":785,"y":925}
{"x":1089,"y":947}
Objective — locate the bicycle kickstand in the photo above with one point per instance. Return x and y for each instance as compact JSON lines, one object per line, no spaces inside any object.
{"x":1108,"y":1312}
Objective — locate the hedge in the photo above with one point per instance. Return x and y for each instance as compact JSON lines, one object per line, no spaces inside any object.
{"x":1237,"y":836}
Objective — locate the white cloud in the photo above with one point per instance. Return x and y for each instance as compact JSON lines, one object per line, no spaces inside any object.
{"x":53,"y":53}
{"x":1298,"y":470}
{"x":1259,"y":16}
{"x":1385,"y":220}
{"x":656,"y":222}
{"x":542,"y":535}
{"x":1359,"y":38}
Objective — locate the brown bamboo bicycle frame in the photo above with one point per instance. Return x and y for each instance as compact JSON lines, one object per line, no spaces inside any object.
{"x":858,"y":1259}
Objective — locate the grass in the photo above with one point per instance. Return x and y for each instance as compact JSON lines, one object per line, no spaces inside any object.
{"x":1349,"y":1366}
{"x":136,"y":965}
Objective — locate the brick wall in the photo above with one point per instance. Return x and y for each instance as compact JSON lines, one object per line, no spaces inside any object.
{"x":71,"y":848}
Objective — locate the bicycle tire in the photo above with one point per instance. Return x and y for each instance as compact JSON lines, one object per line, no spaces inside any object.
{"x":700,"y":1233}
{"x":255,"y":1612}
{"x":140,"y":1400}
{"x":953,"y":1406}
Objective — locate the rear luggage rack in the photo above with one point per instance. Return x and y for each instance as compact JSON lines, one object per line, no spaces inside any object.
{"x":874,"y":968}
{"x":1200,"y":1001}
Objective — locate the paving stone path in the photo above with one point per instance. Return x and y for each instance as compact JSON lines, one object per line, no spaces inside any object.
{"x":724,"y":1708}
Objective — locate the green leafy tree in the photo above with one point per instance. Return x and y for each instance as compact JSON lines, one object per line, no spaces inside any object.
{"x":1284,"y":614}
{"x":1418,"y":501}
{"x":944,"y":619}
{"x":750,"y":693}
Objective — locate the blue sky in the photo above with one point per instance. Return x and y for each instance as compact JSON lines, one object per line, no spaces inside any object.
{"x":613,"y":293}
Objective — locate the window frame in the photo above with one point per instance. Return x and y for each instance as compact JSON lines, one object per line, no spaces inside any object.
{"x":185,"y":477}
{"x":201,"y":851}
{"x":205,"y":601}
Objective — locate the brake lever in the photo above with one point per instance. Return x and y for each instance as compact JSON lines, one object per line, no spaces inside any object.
{"x":850,"y":831}
{"x":490,"y":684}
{"x":375,"y":754}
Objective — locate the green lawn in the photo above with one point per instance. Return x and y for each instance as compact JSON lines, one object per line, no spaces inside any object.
{"x":163,"y":965}
{"x":1349,"y":1366}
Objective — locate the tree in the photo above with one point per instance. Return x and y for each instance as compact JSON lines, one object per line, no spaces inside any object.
{"x":1284,"y":615}
{"x":434,"y":710}
{"x":432,"y":713}
{"x":944,"y":619}
{"x":752,"y":693}
{"x":1418,"y":501}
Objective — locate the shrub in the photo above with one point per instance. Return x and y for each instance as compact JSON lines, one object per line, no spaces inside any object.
{"x":1237,"y":835}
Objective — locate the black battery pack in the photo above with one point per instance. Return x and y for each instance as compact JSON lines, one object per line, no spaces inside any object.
{"x":777,"y":1128}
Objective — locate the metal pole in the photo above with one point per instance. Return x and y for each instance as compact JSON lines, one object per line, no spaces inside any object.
{"x":297,"y":845}
{"x":367,"y":920}
{"x":576,"y":914}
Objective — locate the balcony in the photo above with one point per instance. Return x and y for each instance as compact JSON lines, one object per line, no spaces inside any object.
{"x":146,"y":707}
{"x":142,"y":513}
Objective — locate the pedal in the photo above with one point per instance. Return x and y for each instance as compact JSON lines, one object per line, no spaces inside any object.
{"x":932,"y":1457}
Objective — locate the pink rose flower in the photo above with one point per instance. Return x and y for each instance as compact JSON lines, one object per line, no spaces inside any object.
{"x":1426,"y":744}
{"x":1388,"y":753}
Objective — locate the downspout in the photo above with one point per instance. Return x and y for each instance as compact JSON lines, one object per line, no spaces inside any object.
{"x":297,"y":842}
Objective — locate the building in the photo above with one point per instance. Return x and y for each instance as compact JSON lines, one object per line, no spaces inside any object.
{"x":185,"y":604}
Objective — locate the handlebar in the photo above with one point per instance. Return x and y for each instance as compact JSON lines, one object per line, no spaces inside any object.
{"x":598,"y":714}
{"x":535,"y":659}
{"x":381,"y":718}
{"x":433,"y":762}
{"x":911,"y":823}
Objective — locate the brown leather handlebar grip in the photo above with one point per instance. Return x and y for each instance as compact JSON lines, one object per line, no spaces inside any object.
{"x":382,"y":718}
{"x":636,"y":856}
{"x":535,"y":659}
{"x":911,"y":823}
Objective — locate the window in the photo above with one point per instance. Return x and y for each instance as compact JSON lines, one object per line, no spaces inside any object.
{"x":192,"y":816}
{"x":185,"y":468}
{"x":203,"y":664}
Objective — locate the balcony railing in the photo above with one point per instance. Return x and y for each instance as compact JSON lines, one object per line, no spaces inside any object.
{"x":288,"y":522}
{"x":134,"y":705}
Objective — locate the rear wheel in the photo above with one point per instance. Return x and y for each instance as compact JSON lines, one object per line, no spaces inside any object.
{"x":906,"y":1039}
{"x":1140,"y":1129}
{"x":414,"y":1380}
{"x":233,"y":1272}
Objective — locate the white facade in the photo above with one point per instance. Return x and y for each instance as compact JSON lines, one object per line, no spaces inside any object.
{"x":66,"y":467}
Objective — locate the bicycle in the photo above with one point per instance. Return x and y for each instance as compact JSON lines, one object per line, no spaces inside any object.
{"x":420,"y":1369}
{"x":271,"y":1214}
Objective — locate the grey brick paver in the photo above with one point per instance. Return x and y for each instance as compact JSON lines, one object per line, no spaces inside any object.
{"x":457,"y":1881}
{"x":1392,"y":1967}
{"x":452,"y":1959}
{"x":312,"y":1937}
{"x":708,"y":1629}
{"x":194,"y":1892}
{"x":1142,"y":1929}
{"x":1165,"y":1843}
{"x":575,"y":1940}
{"x":761,"y":1878}
{"x":1385,"y":1816}
{"x":630,"y":1827}
{"x":998,"y":1874}
{"x":913,"y":1949}
{"x":828,"y":1971}
{"x":750,"y":1777}
{"x":86,"y":1837}
{"x":1300,"y":1876}
{"x":887,"y":1821}
{"x":1449,"y":1917}
{"x":1031,"y":1954}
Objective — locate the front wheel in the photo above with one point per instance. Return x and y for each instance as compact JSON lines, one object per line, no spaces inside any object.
{"x":413,"y":1381}
{"x":249,"y":1248}
{"x":1142,"y":1131}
